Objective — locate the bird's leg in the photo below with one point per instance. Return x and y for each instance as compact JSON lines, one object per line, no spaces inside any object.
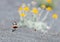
{"x":14,"y":29}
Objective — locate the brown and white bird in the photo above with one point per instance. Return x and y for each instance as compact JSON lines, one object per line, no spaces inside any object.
{"x":14,"y":26}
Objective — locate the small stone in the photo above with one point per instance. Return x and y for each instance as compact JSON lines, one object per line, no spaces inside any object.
{"x":34,"y":29}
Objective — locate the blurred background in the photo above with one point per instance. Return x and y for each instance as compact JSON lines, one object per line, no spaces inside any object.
{"x":9,"y":14}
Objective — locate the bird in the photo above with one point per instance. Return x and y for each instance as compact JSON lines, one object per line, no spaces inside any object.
{"x":14,"y":26}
